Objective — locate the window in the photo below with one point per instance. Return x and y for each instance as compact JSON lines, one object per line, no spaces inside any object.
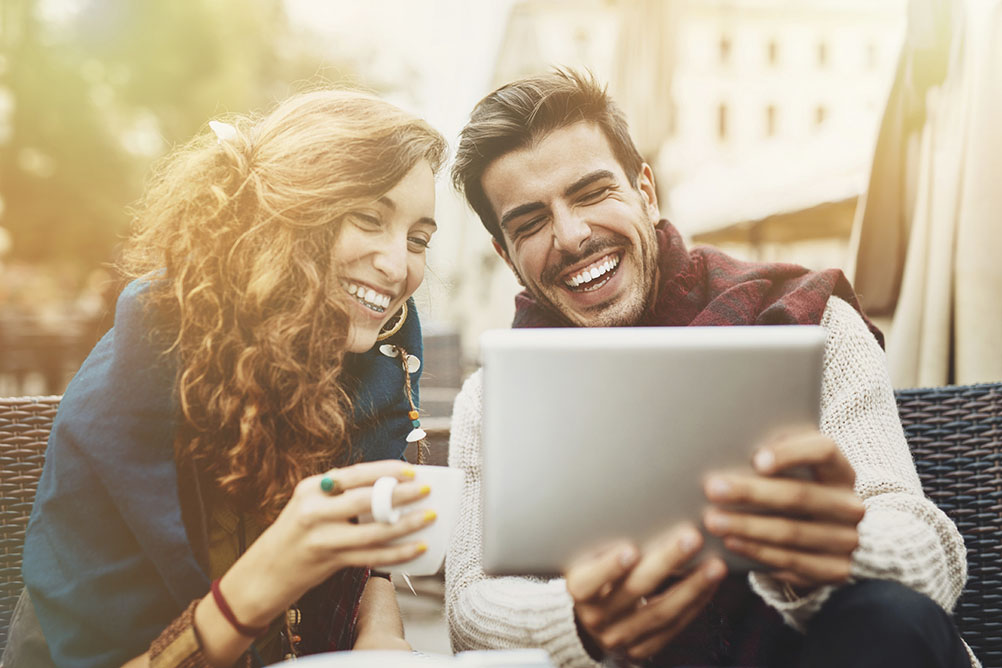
{"x":770,"y":121}
{"x":722,"y":122}
{"x":773,"y":52}
{"x":822,"y":54}
{"x":725,"y":49}
{"x":820,"y":115}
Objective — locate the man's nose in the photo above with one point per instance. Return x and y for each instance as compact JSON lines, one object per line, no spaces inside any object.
{"x":391,"y":259}
{"x":570,"y":230}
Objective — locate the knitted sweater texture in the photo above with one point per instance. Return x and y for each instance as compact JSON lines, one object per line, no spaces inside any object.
{"x":903,"y":537}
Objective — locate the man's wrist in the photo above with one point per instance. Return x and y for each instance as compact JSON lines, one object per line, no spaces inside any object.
{"x":589,"y":644}
{"x":381,"y":640}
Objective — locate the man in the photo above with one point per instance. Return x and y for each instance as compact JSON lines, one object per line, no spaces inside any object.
{"x":862,"y":565}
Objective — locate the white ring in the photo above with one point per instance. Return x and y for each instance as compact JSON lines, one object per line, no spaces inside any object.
{"x":382,"y":501}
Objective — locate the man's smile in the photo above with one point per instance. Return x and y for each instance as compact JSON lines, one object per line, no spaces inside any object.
{"x":595,"y":275}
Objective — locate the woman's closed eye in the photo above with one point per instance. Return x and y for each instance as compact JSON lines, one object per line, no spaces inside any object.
{"x":366,"y":221}
{"x":418,"y":244}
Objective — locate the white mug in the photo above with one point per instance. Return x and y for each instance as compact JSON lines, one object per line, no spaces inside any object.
{"x":444,"y":498}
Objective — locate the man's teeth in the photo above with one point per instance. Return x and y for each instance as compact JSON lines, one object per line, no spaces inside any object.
{"x":593,"y":272}
{"x":368,"y":297}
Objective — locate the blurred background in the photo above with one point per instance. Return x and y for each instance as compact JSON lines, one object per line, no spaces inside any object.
{"x":822,"y":132}
{"x":858,"y":134}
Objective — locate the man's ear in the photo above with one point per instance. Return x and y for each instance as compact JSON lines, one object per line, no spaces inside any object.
{"x":507,"y":260}
{"x":649,"y":192}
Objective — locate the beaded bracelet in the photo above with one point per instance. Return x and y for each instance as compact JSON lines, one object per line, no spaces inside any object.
{"x":224,"y":607}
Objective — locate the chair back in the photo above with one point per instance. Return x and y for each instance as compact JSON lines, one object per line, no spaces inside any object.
{"x":25,"y":423}
{"x":955,"y":435}
{"x":954,"y":432}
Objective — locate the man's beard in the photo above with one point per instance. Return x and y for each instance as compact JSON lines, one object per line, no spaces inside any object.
{"x":623,"y":311}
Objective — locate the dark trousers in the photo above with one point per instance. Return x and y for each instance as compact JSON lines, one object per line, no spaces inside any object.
{"x":880,"y":623}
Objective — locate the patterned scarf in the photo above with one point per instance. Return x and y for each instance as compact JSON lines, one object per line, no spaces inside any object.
{"x":705,"y":287}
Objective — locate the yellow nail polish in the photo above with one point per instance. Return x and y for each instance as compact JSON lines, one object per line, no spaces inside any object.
{"x":429,"y":515}
{"x":408,"y":473}
{"x":422,"y":548}
{"x":425,"y":490}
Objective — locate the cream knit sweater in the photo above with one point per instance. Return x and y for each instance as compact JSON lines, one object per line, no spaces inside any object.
{"x":903,"y":536}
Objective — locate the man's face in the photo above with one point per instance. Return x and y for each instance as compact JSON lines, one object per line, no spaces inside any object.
{"x":579,"y":235}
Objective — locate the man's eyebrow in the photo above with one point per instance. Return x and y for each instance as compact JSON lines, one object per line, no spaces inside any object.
{"x":587,"y":180}
{"x":578,"y":185}
{"x":425,"y":220}
{"x":520,"y":210}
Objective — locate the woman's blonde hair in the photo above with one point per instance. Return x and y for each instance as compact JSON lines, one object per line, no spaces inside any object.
{"x":236,"y":236}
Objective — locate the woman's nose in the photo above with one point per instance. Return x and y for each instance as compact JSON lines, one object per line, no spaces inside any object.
{"x":391,"y":259}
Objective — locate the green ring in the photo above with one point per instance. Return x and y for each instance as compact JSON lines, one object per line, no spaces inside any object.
{"x":327,"y":484}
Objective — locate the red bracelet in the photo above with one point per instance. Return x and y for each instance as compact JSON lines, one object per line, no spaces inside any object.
{"x":224,"y":607}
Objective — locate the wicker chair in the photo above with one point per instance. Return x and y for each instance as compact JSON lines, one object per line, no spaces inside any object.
{"x":955,"y":434}
{"x":24,"y":431}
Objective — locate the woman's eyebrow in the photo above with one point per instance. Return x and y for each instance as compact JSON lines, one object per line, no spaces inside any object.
{"x":392,"y":206}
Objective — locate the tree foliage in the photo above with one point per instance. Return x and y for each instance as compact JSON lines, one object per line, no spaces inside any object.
{"x":98,"y":94}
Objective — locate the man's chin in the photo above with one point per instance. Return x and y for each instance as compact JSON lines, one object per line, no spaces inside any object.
{"x":603,"y":315}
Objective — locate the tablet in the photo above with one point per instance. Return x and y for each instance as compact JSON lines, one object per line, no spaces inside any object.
{"x":595,"y":434}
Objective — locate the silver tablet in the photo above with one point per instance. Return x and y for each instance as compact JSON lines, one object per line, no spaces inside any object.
{"x":593,"y":434}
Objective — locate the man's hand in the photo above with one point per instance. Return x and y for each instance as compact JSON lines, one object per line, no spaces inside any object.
{"x":619,"y":599}
{"x":807,"y":529}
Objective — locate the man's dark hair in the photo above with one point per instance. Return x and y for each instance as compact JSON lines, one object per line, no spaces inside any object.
{"x":523,"y":112}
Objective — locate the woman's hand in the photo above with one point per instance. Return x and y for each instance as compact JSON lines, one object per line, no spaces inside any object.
{"x":315,"y":535}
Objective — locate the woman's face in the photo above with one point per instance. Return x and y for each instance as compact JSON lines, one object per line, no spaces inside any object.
{"x":381,"y":253}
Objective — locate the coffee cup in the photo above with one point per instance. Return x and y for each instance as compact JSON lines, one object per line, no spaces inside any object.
{"x":444,"y":498}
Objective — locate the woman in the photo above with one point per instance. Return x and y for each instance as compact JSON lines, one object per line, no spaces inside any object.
{"x":198,"y":442}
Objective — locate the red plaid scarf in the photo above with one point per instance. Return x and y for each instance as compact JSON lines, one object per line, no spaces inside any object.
{"x":330,"y":612}
{"x":705,"y":287}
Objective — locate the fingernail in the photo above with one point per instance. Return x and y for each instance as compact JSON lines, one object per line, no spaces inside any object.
{"x":764,"y":460}
{"x":714,"y":571}
{"x":425,"y":490}
{"x":429,"y":515}
{"x":627,"y":556}
{"x":717,"y":522}
{"x":407,"y":472}
{"x":718,"y":487}
{"x":422,"y":548}
{"x":688,"y":541}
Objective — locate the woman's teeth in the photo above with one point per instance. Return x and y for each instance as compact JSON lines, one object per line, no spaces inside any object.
{"x":582,"y":279}
{"x":368,"y":297}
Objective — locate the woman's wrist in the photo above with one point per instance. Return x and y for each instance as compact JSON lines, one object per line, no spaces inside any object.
{"x":221,"y":643}
{"x":254,"y":601}
{"x":255,"y":593}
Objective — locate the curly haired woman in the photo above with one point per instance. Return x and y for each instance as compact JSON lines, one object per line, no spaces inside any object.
{"x":198,"y":442}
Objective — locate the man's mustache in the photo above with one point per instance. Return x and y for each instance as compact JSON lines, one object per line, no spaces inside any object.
{"x":566,"y":260}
